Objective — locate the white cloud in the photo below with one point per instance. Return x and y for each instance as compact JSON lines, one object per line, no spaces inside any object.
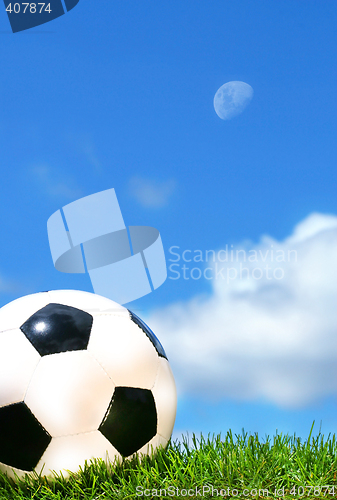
{"x":150,"y":193}
{"x":84,"y":145}
{"x":4,"y":286}
{"x":55,"y":183}
{"x":264,"y":339}
{"x":7,"y":286}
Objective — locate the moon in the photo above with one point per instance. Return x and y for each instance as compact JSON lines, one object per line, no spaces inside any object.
{"x":232,"y":98}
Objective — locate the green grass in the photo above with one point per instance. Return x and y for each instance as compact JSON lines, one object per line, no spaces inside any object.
{"x":236,"y":462}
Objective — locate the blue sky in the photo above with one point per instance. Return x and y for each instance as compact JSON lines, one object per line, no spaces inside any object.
{"x":120,"y":94}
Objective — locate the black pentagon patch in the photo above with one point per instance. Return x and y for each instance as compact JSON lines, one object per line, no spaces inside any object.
{"x":131,"y":419}
{"x":58,"y":328}
{"x":149,"y":333}
{"x":23,"y":440}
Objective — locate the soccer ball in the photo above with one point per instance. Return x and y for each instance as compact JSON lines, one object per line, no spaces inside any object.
{"x":81,"y":377}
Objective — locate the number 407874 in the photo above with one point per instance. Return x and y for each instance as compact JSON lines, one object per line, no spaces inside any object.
{"x":32,"y":8}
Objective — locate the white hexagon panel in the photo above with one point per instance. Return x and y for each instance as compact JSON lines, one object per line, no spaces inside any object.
{"x":165,"y":395}
{"x":71,"y":452}
{"x":18,"y":360}
{"x":63,"y":404}
{"x":129,"y":359}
